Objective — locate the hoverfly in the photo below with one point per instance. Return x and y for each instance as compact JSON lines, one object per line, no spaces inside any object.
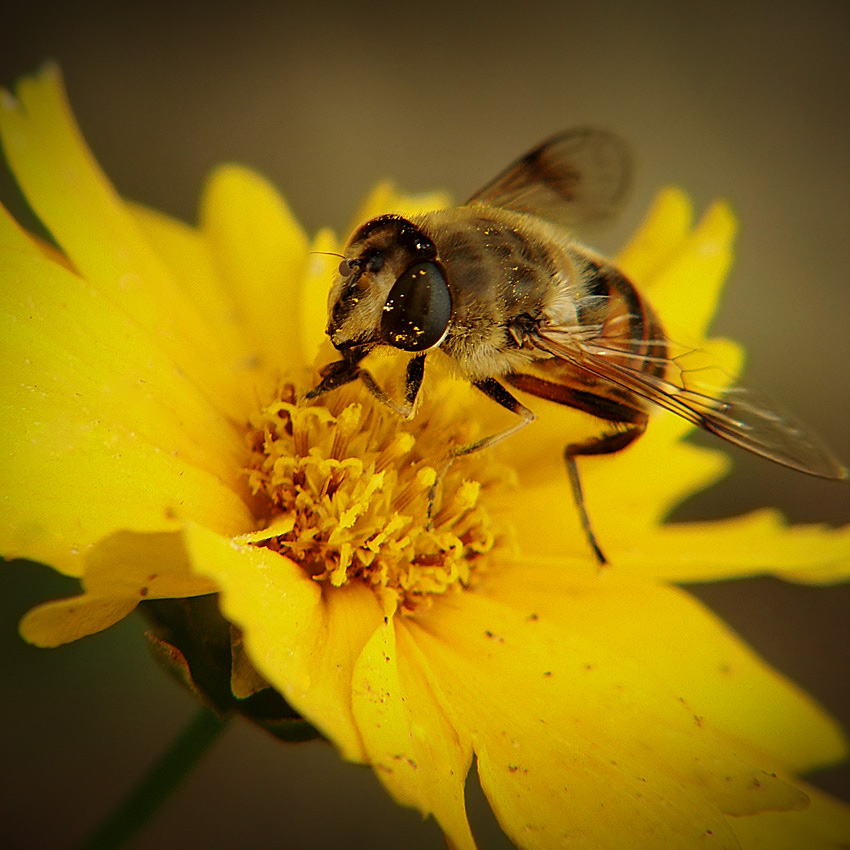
{"x":502,"y":287}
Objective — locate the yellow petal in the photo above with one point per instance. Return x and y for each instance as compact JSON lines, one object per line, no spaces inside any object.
{"x":55,"y":623}
{"x":304,"y":641}
{"x":12,"y":236}
{"x":687,"y":289}
{"x":121,"y":570}
{"x":244,"y":678}
{"x":409,"y":739}
{"x":313,"y":304}
{"x":97,"y":232}
{"x":759,"y":543}
{"x":823,"y":825}
{"x":150,"y":566}
{"x":681,"y":270}
{"x":260,"y":252}
{"x":626,"y":493}
{"x":660,"y":235}
{"x":719,"y":677}
{"x":63,"y":342}
{"x":565,"y":730}
{"x":90,"y":406}
{"x":187,"y":256}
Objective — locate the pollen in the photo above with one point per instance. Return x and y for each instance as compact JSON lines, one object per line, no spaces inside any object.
{"x":354,"y":493}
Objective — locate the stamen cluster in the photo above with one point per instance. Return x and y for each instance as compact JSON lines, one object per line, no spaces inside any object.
{"x":355,"y":493}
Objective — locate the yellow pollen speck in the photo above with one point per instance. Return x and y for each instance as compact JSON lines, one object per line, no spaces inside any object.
{"x":352,"y":492}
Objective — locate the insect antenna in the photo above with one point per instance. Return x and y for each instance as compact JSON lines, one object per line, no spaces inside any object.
{"x":346,"y":266}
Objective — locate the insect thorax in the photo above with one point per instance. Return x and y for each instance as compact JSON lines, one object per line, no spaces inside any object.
{"x":505,"y":270}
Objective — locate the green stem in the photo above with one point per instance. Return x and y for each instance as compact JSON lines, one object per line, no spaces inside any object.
{"x":145,"y":799}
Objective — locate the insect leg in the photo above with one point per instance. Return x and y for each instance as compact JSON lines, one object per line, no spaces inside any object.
{"x":627,"y":423}
{"x":413,"y":377}
{"x":344,"y":372}
{"x":495,"y":391}
{"x":607,"y":444}
{"x":335,"y":375}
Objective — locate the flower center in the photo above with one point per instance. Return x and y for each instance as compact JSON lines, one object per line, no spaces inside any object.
{"x":355,"y":493}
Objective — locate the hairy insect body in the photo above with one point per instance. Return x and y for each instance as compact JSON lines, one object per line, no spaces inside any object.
{"x":611,"y":310}
{"x":505,"y":273}
{"x":501,"y":287}
{"x":513,"y":276}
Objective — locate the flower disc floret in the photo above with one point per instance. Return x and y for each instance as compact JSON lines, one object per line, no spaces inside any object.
{"x":352,"y":492}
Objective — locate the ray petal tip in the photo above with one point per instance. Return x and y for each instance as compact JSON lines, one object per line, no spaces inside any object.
{"x":8,"y":101}
{"x":50,"y":70}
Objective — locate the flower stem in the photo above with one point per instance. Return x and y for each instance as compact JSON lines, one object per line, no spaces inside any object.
{"x":144,"y":800}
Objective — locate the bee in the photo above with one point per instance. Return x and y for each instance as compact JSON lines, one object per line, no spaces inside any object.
{"x":503,"y":288}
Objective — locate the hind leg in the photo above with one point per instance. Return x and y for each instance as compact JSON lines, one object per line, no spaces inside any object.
{"x":606,"y":444}
{"x":626,"y":422}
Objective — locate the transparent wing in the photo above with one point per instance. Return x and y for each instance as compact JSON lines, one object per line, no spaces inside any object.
{"x":738,"y":415}
{"x":577,"y":177}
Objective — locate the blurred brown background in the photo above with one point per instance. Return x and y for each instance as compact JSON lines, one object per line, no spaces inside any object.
{"x":745,"y":101}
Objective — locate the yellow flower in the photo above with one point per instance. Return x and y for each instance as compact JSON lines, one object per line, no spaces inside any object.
{"x":158,"y":447}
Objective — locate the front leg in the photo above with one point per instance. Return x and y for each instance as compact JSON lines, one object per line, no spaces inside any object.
{"x":336,"y":375}
{"x":345,"y":371}
{"x":413,"y":377}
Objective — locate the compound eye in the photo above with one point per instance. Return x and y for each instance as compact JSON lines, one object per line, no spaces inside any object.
{"x":375,"y":263}
{"x":418,"y":309}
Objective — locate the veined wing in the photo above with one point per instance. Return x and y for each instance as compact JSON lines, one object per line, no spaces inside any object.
{"x":577,"y":177}
{"x":739,"y":416}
